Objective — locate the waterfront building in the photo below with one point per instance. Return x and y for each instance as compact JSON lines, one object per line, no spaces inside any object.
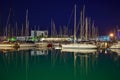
{"x":103,"y":38}
{"x":36,"y":33}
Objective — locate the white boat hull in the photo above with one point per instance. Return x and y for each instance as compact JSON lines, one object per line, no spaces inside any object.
{"x":117,"y":46}
{"x":57,"y":47}
{"x":80,"y":50}
{"x":40,"y":44}
{"x":6,"y":46}
{"x":78,"y":46}
{"x":26,"y":45}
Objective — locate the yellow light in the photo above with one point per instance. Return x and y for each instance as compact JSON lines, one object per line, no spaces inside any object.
{"x":111,"y":34}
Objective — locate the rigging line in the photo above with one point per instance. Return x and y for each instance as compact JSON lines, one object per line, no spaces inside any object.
{"x":70,"y":17}
{"x":78,"y":24}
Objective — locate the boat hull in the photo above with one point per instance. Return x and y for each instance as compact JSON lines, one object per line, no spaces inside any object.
{"x":26,"y":45}
{"x":41,"y":45}
{"x":117,"y":46}
{"x":7,"y":47}
{"x":79,"y":46}
{"x":80,"y":50}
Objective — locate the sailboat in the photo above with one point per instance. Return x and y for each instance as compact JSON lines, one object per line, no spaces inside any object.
{"x":28,"y":43}
{"x":77,"y":45}
{"x":7,"y":45}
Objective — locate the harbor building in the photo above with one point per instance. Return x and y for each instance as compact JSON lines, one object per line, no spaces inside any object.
{"x":104,"y":38}
{"x":36,"y":33}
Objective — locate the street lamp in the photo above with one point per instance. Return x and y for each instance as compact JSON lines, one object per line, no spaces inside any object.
{"x":111,"y":36}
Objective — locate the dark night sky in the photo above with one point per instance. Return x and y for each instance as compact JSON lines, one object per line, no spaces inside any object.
{"x":105,"y":13}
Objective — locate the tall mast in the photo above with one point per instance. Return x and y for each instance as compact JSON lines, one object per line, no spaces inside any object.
{"x":54,"y":29}
{"x":16,"y":29}
{"x":27,"y":23}
{"x":81,"y":25}
{"x":65,"y":30}
{"x":89,"y":27}
{"x":93,"y":30}
{"x":96,"y":32}
{"x":22,"y":32}
{"x":12,"y":32}
{"x":6,"y":28}
{"x":8,"y":35}
{"x":86,"y":29}
{"x":60,"y":31}
{"x":51,"y":28}
{"x":75,"y":25}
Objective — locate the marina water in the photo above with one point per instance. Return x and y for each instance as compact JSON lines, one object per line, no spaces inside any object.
{"x":51,"y":64}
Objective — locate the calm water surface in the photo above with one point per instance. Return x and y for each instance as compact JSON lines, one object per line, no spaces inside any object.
{"x":57,"y":65}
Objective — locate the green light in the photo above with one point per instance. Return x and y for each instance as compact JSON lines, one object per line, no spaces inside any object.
{"x":13,"y":39}
{"x":34,"y":38}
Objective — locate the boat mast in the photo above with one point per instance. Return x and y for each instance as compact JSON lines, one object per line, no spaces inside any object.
{"x":93,"y":30}
{"x":75,"y":25}
{"x":81,"y":26}
{"x":89,"y":28}
{"x":8,"y":35}
{"x":51,"y":29}
{"x":96,"y":32}
{"x":6,"y":28}
{"x":16,"y":29}
{"x":27,"y":24}
{"x":22,"y":32}
{"x":54,"y":29}
{"x":61,"y":31}
{"x":86,"y":29}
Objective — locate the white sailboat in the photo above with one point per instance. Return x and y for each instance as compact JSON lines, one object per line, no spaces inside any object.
{"x":78,"y":45}
{"x":26,"y":44}
{"x":6,"y":44}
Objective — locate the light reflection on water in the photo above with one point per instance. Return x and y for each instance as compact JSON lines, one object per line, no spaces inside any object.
{"x":45,"y":64}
